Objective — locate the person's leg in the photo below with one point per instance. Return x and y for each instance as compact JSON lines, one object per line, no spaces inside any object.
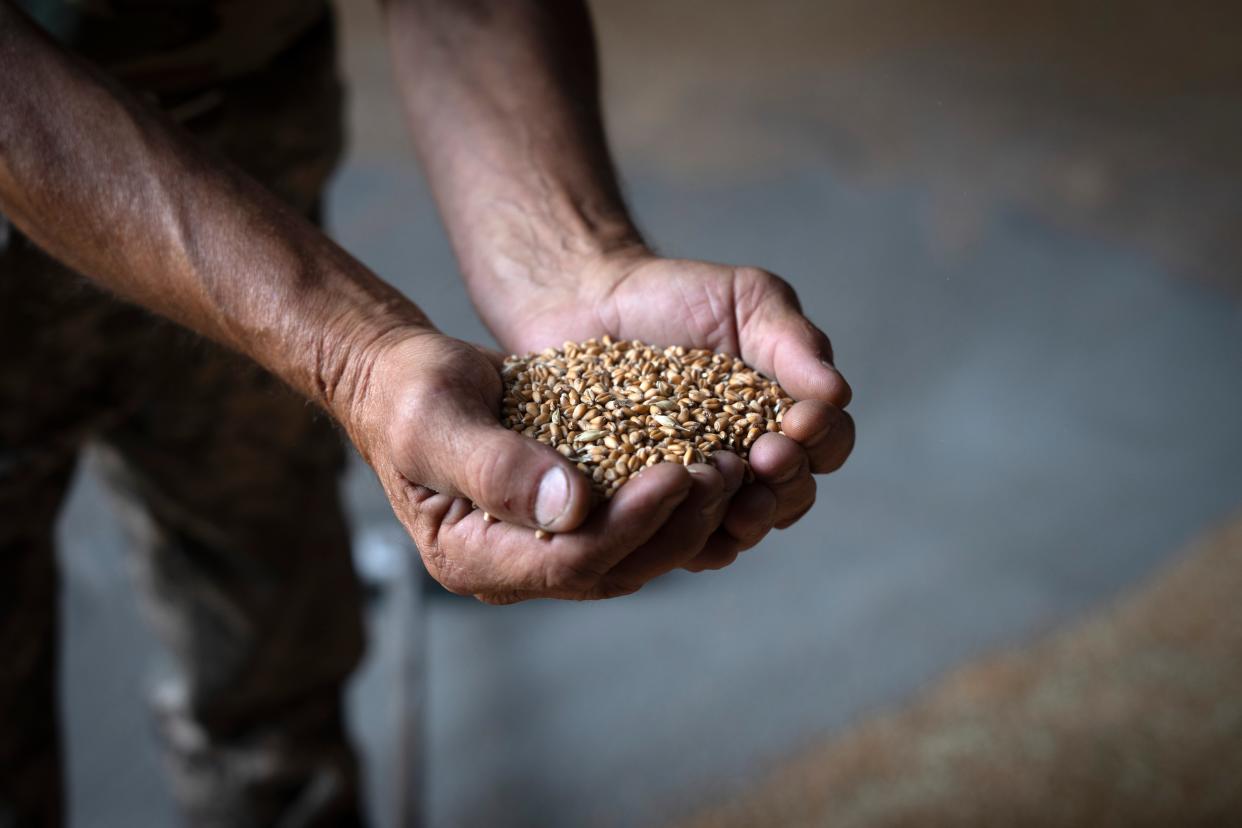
{"x":230,"y":484}
{"x":56,"y":387}
{"x":246,"y":553}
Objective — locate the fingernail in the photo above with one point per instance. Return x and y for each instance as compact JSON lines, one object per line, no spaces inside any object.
{"x":553,"y":497}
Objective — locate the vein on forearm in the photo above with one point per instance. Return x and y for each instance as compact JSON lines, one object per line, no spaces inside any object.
{"x":504,"y":107}
{"x":115,"y":192}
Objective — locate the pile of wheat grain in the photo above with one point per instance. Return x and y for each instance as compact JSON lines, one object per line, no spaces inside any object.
{"x":617,"y":407}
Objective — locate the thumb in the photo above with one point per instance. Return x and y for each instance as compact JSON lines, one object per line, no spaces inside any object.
{"x":513,"y":477}
{"x":785,"y":344}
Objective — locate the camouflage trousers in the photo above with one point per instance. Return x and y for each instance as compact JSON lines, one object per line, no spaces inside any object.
{"x":229,"y":484}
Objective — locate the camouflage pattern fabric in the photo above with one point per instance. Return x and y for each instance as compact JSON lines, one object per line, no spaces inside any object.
{"x":228,"y":482}
{"x":175,"y":45}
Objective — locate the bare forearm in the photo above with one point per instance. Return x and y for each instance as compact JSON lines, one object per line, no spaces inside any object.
{"x":109,"y":188}
{"x":503,"y":103}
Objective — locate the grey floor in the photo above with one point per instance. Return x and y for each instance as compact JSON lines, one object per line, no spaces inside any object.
{"x":1042,"y":327}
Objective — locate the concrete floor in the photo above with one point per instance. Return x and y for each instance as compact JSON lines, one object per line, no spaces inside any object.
{"x":1129,"y":719}
{"x":1025,"y":250}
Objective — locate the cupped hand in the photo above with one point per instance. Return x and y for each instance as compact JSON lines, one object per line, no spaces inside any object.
{"x":423,"y":411}
{"x":740,"y":310}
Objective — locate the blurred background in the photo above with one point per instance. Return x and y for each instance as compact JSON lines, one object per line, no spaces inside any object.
{"x":1018,"y":602}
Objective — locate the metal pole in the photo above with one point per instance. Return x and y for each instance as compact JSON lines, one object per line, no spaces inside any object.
{"x":410,"y":695}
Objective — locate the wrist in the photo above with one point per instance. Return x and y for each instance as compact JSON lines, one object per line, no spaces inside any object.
{"x":556,"y":245}
{"x":348,"y":354}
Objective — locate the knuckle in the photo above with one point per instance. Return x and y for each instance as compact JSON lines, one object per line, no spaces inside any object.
{"x":455,"y":586}
{"x":821,"y":340}
{"x":840,"y":394}
{"x":797,"y":515}
{"x":808,"y":497}
{"x":765,"y":284}
{"x":832,"y":456}
{"x":748,"y":274}
{"x":750,"y":288}
{"x":745,"y":544}
{"x":441,"y":568}
{"x":750,"y":536}
{"x":412,"y":421}
{"x":440,"y":563}
{"x":484,"y":473}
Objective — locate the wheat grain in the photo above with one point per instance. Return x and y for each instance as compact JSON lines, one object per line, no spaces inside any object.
{"x":615,"y":408}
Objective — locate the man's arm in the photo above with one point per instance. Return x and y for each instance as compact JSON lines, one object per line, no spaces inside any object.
{"x":504,"y":107}
{"x":503,"y":104}
{"x":123,"y":197}
{"x":107,"y":186}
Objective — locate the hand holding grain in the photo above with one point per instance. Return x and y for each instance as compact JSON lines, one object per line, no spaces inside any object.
{"x":742,"y":311}
{"x":426,"y":419}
